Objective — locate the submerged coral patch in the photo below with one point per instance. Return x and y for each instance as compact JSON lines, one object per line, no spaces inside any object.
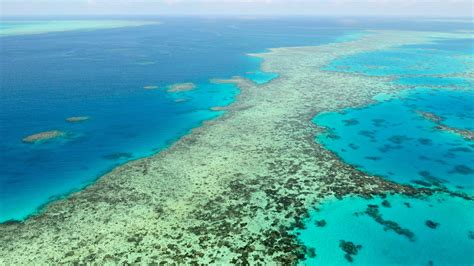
{"x":118,"y":156}
{"x":431,"y":224}
{"x":373,"y":211}
{"x":350,"y":122}
{"x":462,"y":169}
{"x":350,"y":249}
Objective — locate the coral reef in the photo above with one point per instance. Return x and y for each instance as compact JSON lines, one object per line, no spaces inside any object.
{"x":232,"y":190}
{"x":350,"y":249}
{"x":74,"y":119}
{"x":320,"y":223}
{"x":431,"y":224}
{"x":373,"y":211}
{"x":43,"y":136}
{"x":465,"y":133}
{"x":181,"y":87}
{"x":386,"y":204}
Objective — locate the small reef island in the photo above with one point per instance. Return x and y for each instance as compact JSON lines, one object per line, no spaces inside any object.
{"x":259,"y":184}
{"x":181,"y":87}
{"x":43,"y":136}
{"x":75,"y":119}
{"x":150,"y":87}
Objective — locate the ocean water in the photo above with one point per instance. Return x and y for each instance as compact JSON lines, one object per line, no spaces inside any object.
{"x":391,"y":139}
{"x":102,"y":74}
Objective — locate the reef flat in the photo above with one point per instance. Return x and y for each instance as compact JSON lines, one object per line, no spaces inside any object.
{"x":231,"y":190}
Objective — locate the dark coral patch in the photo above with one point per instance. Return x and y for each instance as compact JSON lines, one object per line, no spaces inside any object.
{"x":425,"y":174}
{"x":378,"y":122}
{"x":11,"y":222}
{"x":311,"y":252}
{"x":431,"y":224}
{"x":353,"y":146}
{"x":461,"y":149}
{"x":399,"y":139}
{"x":425,"y":141}
{"x":462,"y":169}
{"x":386,"y":204}
{"x":387,"y":148}
{"x":421,"y":183}
{"x":320,"y":223}
{"x":368,"y":133}
{"x":350,"y":249}
{"x":350,"y":122}
{"x":118,"y":156}
{"x":372,"y":158}
{"x":373,"y":211}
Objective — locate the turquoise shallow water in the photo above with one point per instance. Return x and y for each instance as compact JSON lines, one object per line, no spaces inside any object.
{"x":391,"y":139}
{"x":450,"y":243}
{"x":404,"y":61}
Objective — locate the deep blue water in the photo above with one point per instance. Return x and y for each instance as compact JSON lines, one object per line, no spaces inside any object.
{"x":102,"y":74}
{"x":391,"y":139}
